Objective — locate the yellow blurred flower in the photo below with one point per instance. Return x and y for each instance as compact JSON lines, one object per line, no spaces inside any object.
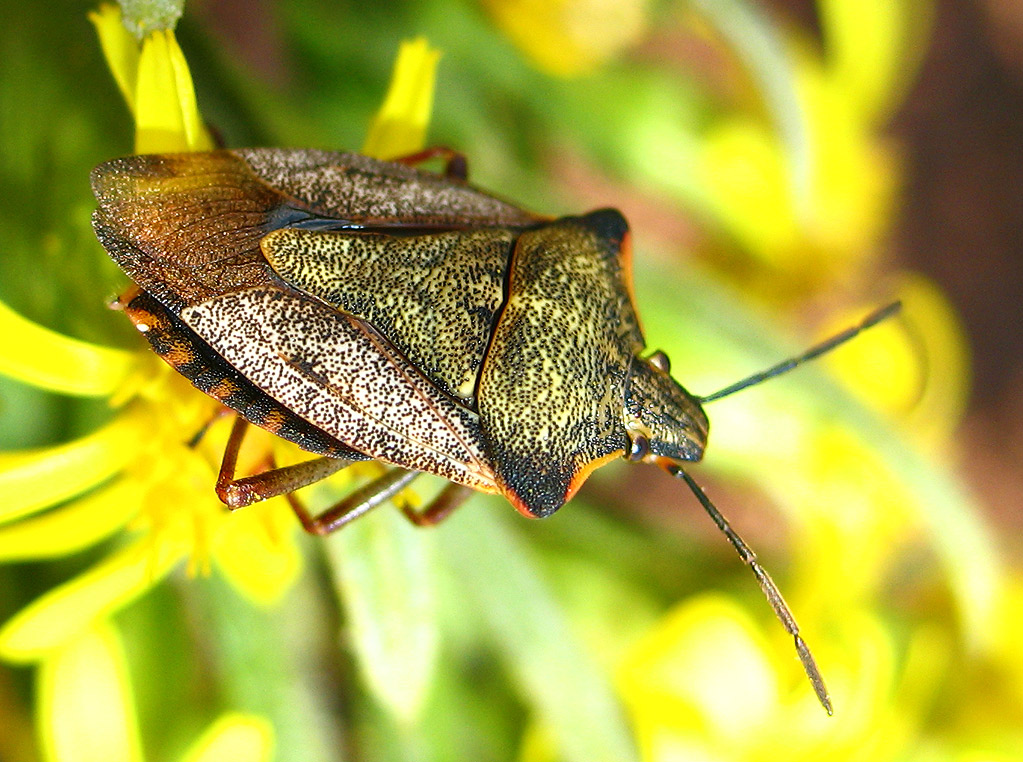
{"x":569,"y":38}
{"x":144,"y":471}
{"x":86,"y":710}
{"x":915,"y":370}
{"x":708,"y":683}
{"x":796,"y":235}
{"x":854,"y":502}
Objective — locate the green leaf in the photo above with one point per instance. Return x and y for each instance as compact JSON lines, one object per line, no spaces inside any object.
{"x":381,"y":566}
{"x":566,"y":691}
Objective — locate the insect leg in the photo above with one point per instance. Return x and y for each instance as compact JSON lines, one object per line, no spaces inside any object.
{"x":456,"y":166}
{"x":771,"y":591}
{"x":204,"y":429}
{"x":449,"y":498}
{"x":356,"y":504}
{"x":237,"y":493}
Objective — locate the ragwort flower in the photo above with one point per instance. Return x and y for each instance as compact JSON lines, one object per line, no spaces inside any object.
{"x":570,"y":38}
{"x":147,"y":471}
{"x":86,"y":710}
{"x":708,"y":683}
{"x":813,"y":219}
{"x":139,"y":470}
{"x":854,"y":466}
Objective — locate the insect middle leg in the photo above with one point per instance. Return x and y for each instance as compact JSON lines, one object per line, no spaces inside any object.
{"x":237,"y":493}
{"x":438,"y":509}
{"x":376,"y":492}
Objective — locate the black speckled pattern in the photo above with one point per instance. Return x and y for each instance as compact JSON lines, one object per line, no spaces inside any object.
{"x":433,"y":296}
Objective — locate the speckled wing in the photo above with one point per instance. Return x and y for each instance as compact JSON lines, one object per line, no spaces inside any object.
{"x":434,"y":297}
{"x":345,"y":379}
{"x":551,"y":388}
{"x":187,"y":229}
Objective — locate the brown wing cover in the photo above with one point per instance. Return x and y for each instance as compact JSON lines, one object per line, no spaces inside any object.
{"x":379,"y":194}
{"x":345,"y":379}
{"x":551,"y":389}
{"x":186,"y":227}
{"x":208,"y":372}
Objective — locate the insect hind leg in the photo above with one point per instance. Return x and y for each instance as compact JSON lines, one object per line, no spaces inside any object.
{"x":438,"y":509}
{"x":237,"y":493}
{"x":356,"y":504}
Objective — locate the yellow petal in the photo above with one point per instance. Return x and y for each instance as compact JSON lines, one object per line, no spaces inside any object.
{"x":86,"y":706}
{"x":705,"y":662}
{"x":31,"y":480}
{"x":256,"y":551}
{"x":742,"y":167}
{"x":49,"y":360}
{"x":915,"y":368}
{"x":166,"y":114}
{"x":874,"y":47}
{"x":569,"y":38}
{"x":60,"y":616}
{"x":234,"y":736}
{"x":119,"y":48}
{"x":399,"y":127}
{"x":72,"y":527}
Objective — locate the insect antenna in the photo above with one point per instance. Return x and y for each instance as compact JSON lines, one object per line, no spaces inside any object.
{"x":813,"y":352}
{"x":771,"y":591}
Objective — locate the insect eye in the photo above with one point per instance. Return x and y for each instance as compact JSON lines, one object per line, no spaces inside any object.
{"x":639,"y":448}
{"x":660,"y":361}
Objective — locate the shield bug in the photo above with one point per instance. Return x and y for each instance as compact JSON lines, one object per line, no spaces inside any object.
{"x":372,"y":310}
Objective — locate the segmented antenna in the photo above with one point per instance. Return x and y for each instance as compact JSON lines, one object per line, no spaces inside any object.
{"x":774,"y":597}
{"x":813,"y":352}
{"x":771,"y":591}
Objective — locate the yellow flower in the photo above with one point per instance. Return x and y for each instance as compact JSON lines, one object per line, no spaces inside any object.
{"x":914,"y":370}
{"x":709,"y":683}
{"x":399,"y":127}
{"x":86,"y":710}
{"x":143,"y":473}
{"x":154,"y":79}
{"x":800,"y":229}
{"x":570,"y":38}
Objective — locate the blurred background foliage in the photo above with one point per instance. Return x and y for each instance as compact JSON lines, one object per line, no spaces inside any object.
{"x":785,"y":166}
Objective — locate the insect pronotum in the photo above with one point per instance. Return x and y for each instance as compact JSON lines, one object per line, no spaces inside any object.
{"x":372,"y":310}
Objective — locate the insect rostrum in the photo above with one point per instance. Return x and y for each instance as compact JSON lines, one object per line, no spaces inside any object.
{"x":371,"y":310}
